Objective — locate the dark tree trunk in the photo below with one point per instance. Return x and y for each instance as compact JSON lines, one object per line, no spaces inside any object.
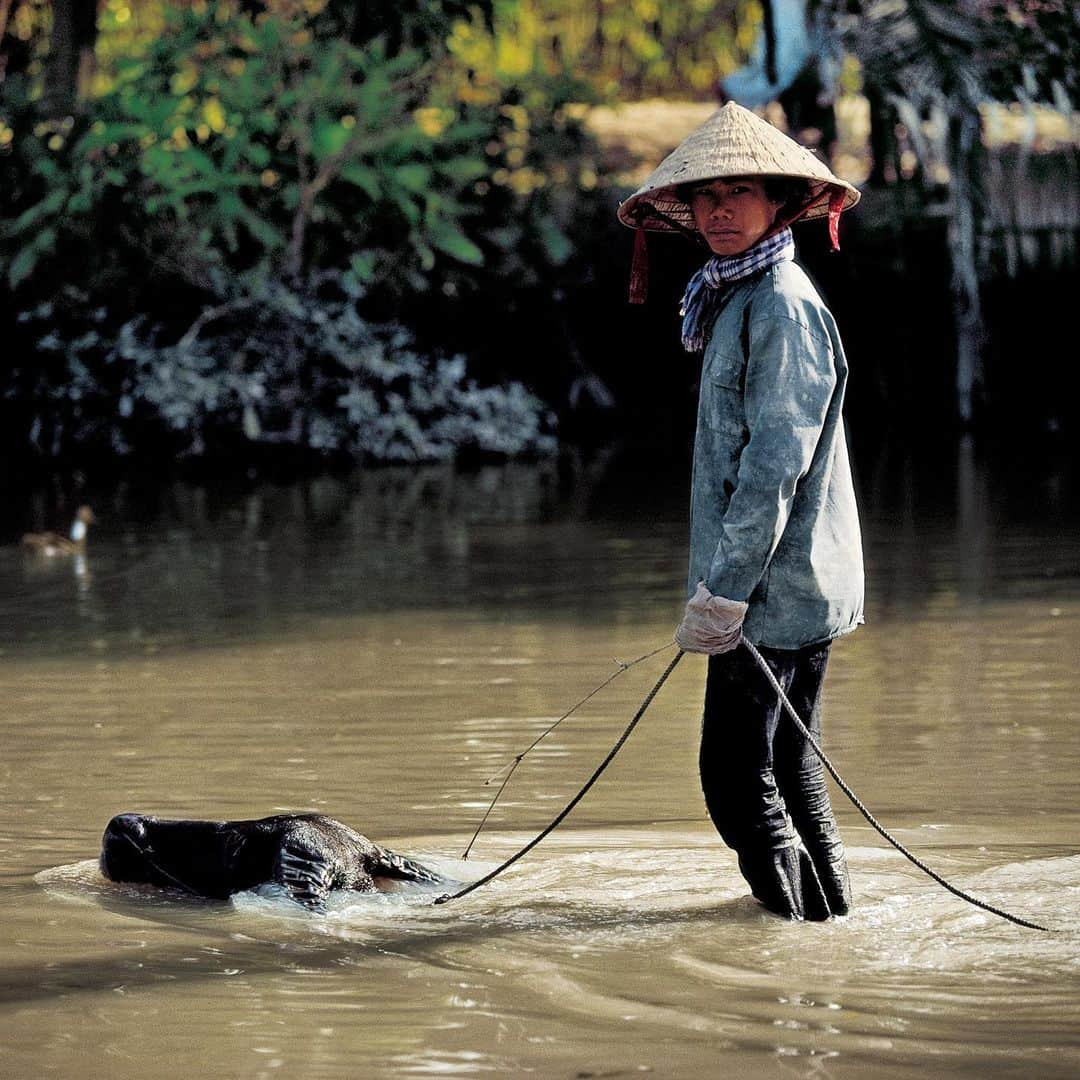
{"x":768,"y":18}
{"x":71,"y":54}
{"x":807,"y":104}
{"x":883,"y":154}
{"x":965,"y":163}
{"x":14,"y":54}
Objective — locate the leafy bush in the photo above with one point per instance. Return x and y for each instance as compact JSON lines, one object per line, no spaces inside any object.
{"x":224,"y":153}
{"x":233,"y":142}
{"x":304,"y":370}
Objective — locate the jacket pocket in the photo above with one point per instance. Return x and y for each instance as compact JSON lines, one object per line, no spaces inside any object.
{"x":724,"y":412}
{"x":727,"y":369}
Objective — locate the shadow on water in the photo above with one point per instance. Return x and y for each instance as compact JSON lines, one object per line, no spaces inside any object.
{"x":187,"y":565}
{"x":219,"y":563}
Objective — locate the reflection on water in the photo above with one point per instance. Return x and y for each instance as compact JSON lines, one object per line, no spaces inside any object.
{"x":376,"y":647}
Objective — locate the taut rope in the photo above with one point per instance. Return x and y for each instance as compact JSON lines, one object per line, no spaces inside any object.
{"x":801,"y":727}
{"x":510,"y":767}
{"x":857,"y":802}
{"x":578,"y":797}
{"x":146,"y":853}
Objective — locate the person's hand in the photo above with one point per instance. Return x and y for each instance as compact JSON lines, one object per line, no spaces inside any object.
{"x":711,"y":624}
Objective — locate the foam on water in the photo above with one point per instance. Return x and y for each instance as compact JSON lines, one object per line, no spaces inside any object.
{"x":598,"y":929}
{"x":617,"y":881}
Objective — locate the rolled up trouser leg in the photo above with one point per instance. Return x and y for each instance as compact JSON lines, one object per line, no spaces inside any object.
{"x":784,"y":881}
{"x":741,"y":792}
{"x":821,"y":838}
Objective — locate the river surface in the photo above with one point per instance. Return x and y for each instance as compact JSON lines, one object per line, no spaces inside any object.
{"x":377,"y":647}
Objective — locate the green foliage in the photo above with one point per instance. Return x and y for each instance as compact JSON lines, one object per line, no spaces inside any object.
{"x":224,"y":144}
{"x":625,"y":49}
{"x":233,"y":143}
{"x":221,"y":153}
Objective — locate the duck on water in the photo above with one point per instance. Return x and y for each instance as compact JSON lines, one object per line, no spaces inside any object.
{"x":51,"y":544}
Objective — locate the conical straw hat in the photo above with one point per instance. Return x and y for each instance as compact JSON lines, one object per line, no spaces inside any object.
{"x":732,"y":142}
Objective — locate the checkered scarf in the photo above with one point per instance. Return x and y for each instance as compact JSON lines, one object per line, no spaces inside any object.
{"x":700,"y":302}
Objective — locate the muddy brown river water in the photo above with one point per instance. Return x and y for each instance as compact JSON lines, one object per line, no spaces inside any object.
{"x":375,"y":648}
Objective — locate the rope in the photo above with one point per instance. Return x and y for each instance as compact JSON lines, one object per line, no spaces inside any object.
{"x":578,"y":797}
{"x":800,"y":726}
{"x":797,"y":720}
{"x":146,"y":854}
{"x":512,"y":766}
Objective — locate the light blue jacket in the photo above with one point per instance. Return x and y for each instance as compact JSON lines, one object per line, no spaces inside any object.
{"x":773,"y":518}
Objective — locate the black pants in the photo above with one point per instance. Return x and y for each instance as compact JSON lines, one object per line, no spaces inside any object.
{"x":765,"y":787}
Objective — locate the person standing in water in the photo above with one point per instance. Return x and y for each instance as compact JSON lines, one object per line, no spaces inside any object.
{"x":775,"y":545}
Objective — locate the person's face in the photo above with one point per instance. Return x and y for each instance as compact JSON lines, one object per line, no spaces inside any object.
{"x":733,"y":214}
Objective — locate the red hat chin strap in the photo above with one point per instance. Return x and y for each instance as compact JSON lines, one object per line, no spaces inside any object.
{"x":836,"y":205}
